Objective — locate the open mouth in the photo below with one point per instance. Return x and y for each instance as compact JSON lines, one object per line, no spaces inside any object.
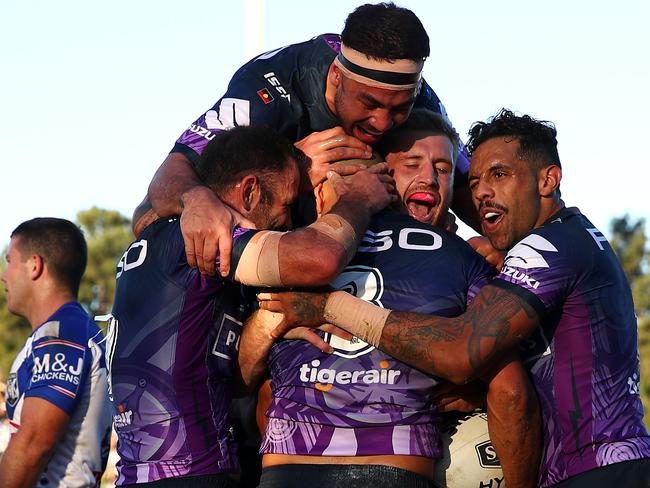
{"x":491,"y":218}
{"x":367,"y":135}
{"x":421,"y":205}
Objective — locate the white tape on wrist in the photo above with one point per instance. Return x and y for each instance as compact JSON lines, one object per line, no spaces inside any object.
{"x":360,"y":318}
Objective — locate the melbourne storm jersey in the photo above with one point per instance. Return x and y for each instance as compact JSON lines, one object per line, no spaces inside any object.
{"x":360,"y":401}
{"x":172,"y":350}
{"x":63,"y":363}
{"x":584,"y":360}
{"x":285,"y":89}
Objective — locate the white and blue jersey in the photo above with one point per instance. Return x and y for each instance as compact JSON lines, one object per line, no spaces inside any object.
{"x":63,"y":363}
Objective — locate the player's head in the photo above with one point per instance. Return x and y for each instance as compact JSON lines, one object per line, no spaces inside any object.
{"x":254,"y":170}
{"x":422,"y":154}
{"x":373,"y":82}
{"x":46,"y":251}
{"x":514,"y":176}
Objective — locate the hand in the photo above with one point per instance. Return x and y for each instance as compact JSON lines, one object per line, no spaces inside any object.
{"x":466,"y":398}
{"x":327,"y":146}
{"x":482,"y":246}
{"x":207,"y":225}
{"x":310,"y":335}
{"x":374,"y":188}
{"x":298,"y":309}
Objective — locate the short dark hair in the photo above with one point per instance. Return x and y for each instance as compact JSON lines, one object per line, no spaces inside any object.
{"x":245,"y":150}
{"x":425,"y":120}
{"x":386,"y":31}
{"x":537,"y":138}
{"x":60,"y":243}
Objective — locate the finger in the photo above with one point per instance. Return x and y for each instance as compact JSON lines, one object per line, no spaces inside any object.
{"x":282,"y":328}
{"x":266,"y":295}
{"x":378,"y":168}
{"x":317,"y":341}
{"x":337,"y":331}
{"x":225,"y":248}
{"x":274,"y":306}
{"x":340,"y":153}
{"x":344,"y":140}
{"x":189,"y":251}
{"x":198,"y":252}
{"x":209,"y":257}
{"x":346,"y":169}
{"x":333,"y":177}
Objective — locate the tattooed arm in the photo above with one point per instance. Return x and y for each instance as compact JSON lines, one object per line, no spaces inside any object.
{"x":457,"y":349}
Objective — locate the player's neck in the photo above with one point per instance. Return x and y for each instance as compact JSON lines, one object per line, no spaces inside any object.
{"x":45,"y":305}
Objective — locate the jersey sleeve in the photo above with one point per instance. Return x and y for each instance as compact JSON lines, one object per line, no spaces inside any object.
{"x":428,"y":99}
{"x":241,"y":237}
{"x":248,"y":100}
{"x":539,"y":271}
{"x":60,"y":370}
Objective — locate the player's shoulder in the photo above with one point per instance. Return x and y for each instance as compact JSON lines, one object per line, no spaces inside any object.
{"x":69,"y":325}
{"x":566,"y":235}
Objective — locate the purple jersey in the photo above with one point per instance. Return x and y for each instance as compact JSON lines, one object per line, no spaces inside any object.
{"x":584,"y":361}
{"x":284,"y":89}
{"x":172,"y":347}
{"x":360,"y":401}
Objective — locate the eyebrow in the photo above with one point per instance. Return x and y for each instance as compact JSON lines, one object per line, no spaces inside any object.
{"x":367,"y":97}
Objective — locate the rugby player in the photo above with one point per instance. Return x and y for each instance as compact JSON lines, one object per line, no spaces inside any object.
{"x":561,"y":296}
{"x":359,"y":414}
{"x":174,"y":335}
{"x":56,"y":400}
{"x":334,"y":96}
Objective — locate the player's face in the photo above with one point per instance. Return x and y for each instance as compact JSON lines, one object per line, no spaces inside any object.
{"x":367,"y":113}
{"x":274,"y":211}
{"x":16,"y":277}
{"x":423,"y":168}
{"x":505,"y":192}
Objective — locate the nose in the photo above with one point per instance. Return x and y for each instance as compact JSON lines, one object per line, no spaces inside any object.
{"x":381,"y":120}
{"x":428,"y":175}
{"x":482,"y":191}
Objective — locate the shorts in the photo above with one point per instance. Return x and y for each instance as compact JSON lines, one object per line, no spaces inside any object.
{"x":202,"y":481}
{"x":627,"y":474}
{"x":340,"y":476}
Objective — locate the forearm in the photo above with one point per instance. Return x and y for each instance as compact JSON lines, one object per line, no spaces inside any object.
{"x":457,"y":349}
{"x":255,"y":345}
{"x":23,"y":462}
{"x":316,"y":254}
{"x":515,"y":425}
{"x":174,"y":178}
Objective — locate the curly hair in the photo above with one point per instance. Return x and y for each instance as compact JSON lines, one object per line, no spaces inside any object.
{"x":386,"y":31}
{"x":537,"y":138}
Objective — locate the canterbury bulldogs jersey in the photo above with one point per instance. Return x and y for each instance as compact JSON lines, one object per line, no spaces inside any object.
{"x":172,"y":350}
{"x":584,"y":361}
{"x":284,"y":89}
{"x":63,"y":363}
{"x":360,"y":401}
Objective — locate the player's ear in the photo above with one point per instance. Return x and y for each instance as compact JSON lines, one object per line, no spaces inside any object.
{"x":334,"y":75}
{"x":36,"y":266}
{"x":250,"y":192}
{"x":549,"y":180}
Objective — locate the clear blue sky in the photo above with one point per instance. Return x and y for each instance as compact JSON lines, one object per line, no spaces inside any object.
{"x":94,"y":94}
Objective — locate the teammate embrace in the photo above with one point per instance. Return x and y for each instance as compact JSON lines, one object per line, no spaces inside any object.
{"x":420,"y":323}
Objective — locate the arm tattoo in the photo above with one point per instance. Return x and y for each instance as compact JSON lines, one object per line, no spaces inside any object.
{"x":495,"y":321}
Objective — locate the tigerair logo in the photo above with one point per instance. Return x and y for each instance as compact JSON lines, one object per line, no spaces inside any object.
{"x":326,"y":378}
